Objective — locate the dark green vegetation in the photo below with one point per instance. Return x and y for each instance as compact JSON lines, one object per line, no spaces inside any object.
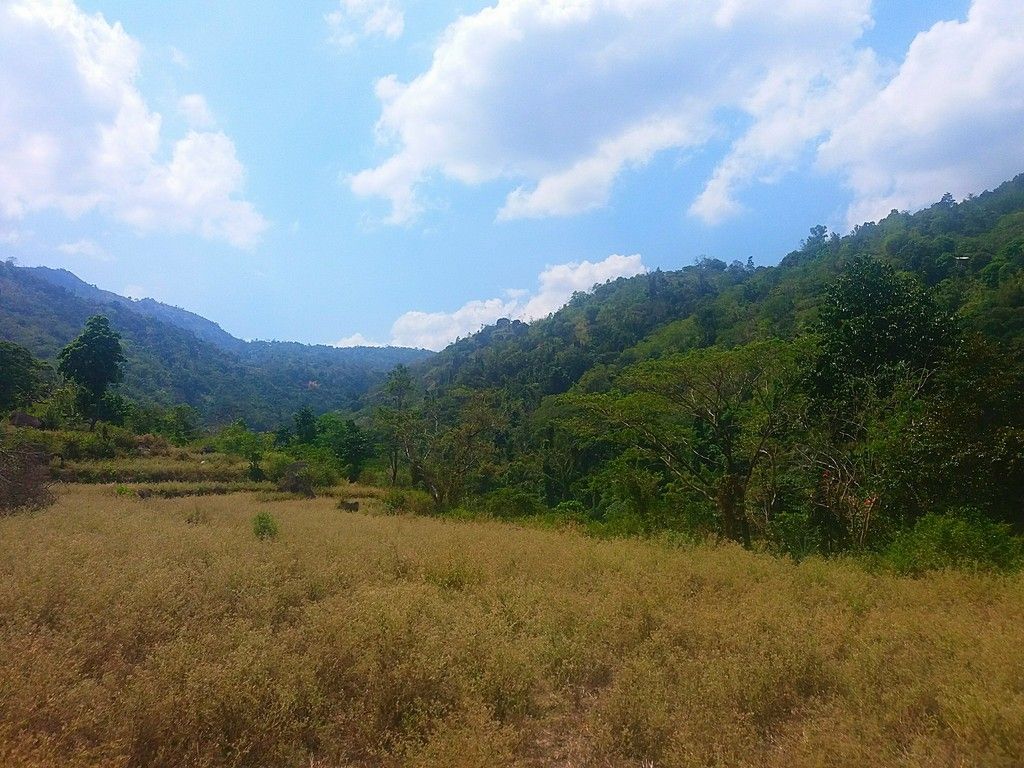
{"x":863,"y":396}
{"x":867,"y":387}
{"x":174,"y":357}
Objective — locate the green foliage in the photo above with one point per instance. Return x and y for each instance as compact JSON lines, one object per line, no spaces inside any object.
{"x":305,"y":426}
{"x":962,"y":538}
{"x":264,"y":526}
{"x":409,"y":501}
{"x":174,"y":357}
{"x":93,"y":362}
{"x":876,"y":324}
{"x":22,"y":377}
{"x":346,"y":441}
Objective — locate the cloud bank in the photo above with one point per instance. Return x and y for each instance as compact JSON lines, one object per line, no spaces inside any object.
{"x":555,"y":286}
{"x":559,"y":99}
{"x":76,"y":134}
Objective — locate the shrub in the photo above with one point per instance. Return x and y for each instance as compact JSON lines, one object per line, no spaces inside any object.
{"x":962,"y":538}
{"x":275,"y":464}
{"x":24,"y":479}
{"x":512,"y":502}
{"x":572,"y":510}
{"x":297,"y":478}
{"x":264,"y":525}
{"x":408,"y":501}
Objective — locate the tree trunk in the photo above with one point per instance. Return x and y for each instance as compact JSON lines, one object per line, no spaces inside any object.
{"x":731,"y":500}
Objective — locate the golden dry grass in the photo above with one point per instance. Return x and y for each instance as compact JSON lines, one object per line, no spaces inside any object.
{"x":162,"y":632}
{"x":182,"y":467}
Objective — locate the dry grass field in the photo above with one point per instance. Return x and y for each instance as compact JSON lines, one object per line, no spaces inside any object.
{"x":163,"y":632}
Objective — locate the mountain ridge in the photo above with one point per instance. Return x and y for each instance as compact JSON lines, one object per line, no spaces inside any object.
{"x":168,"y":362}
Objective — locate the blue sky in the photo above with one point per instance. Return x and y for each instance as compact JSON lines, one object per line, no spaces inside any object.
{"x":404,"y":171}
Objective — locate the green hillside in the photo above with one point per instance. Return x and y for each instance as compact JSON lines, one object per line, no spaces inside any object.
{"x":224,"y":378}
{"x":972,"y":253}
{"x":830,"y":402}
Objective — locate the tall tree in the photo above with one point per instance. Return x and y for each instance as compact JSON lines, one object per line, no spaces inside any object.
{"x":709,"y":417}
{"x":876,"y":323}
{"x":305,"y":425}
{"x":93,"y":362}
{"x":393,"y":415}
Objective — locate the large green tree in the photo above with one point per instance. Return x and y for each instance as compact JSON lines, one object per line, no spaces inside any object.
{"x":711,"y":418}
{"x":93,"y":362}
{"x":345,"y":440}
{"x":879,"y":324}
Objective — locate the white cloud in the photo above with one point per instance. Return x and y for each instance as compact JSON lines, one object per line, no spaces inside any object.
{"x":357,"y":340}
{"x":560,"y":282}
{"x":85,"y":247}
{"x":354,"y":19}
{"x":951,"y":120}
{"x":76,"y":134}
{"x":559,"y":98}
{"x":435,"y":330}
{"x":195,"y":110}
{"x":556,"y":285}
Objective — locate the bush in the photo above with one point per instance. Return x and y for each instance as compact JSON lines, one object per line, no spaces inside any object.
{"x":24,"y":479}
{"x":512,"y":502}
{"x":297,"y":478}
{"x":400,"y":502}
{"x":264,"y":525}
{"x":962,"y":538}
{"x":275,"y":464}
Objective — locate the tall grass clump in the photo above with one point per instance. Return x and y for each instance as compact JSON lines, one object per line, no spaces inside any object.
{"x":264,"y":525}
{"x":24,"y":479}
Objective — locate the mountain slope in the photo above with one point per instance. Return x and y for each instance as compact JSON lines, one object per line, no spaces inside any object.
{"x":206,"y":330}
{"x":972,"y":252}
{"x":172,"y":359}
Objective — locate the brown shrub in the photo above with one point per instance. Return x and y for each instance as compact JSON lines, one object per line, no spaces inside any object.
{"x":24,"y":479}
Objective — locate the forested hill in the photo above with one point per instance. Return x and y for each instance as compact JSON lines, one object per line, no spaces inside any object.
{"x":174,"y":356}
{"x":207,"y":330}
{"x":972,"y":253}
{"x":826,"y":404}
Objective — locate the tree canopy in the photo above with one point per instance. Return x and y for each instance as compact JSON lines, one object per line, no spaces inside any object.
{"x":93,"y":362}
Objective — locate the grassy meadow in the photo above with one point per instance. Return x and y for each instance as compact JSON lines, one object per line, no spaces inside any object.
{"x":164,"y":632}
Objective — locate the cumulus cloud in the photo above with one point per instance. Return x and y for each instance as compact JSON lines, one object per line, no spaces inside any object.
{"x":435,"y":330}
{"x":76,"y":134}
{"x":555,"y":286}
{"x":353,"y":19}
{"x":951,"y":120}
{"x":560,"y":98}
